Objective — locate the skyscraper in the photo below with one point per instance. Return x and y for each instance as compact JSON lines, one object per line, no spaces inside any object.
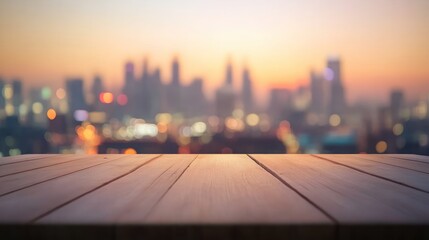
{"x":247,"y":92}
{"x":2,"y":98}
{"x":129,"y":73}
{"x":175,"y":77}
{"x":196,"y":104}
{"x":75,"y":95}
{"x":396,"y":104}
{"x":130,"y":89}
{"x":96,"y":89}
{"x":17,"y":98}
{"x":175,"y":89}
{"x":225,"y":96}
{"x":333,"y":74}
{"x":317,"y":84}
{"x":145,"y":95}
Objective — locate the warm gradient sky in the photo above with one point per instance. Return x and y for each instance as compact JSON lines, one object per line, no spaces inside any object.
{"x":383,"y":43}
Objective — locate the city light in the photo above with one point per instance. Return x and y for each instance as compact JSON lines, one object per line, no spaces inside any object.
{"x":60,"y":93}
{"x":8,"y":92}
{"x":381,"y":147}
{"x":80,"y":115}
{"x":46,"y":93}
{"x":37,"y":108}
{"x":252,"y":119}
{"x":51,"y":114}
{"x":106,"y":97}
{"x":130,"y":151}
{"x":334,"y":120}
{"x":398,"y":129}
{"x":122,"y":99}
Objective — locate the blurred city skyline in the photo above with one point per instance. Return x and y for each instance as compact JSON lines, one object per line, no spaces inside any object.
{"x":383,"y":44}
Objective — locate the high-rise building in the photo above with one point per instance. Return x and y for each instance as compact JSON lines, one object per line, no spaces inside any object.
{"x":317,"y":86}
{"x":247,"y":92}
{"x":225,"y":96}
{"x":157,"y":93}
{"x":280,"y":104}
{"x":96,"y":89}
{"x":17,"y":98}
{"x":196,"y":103}
{"x":175,"y":77}
{"x":175,"y":89}
{"x":397,"y":103}
{"x":333,"y":75}
{"x":129,"y":73}
{"x":130,"y":89}
{"x":75,"y":95}
{"x":145,"y":94}
{"x":2,"y":98}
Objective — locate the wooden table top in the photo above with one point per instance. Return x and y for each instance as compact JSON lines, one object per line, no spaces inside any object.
{"x":256,"y":196}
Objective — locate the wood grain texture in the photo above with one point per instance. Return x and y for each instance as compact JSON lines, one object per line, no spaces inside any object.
{"x":398,"y":162}
{"x":232,"y":189}
{"x":417,"y":180}
{"x":22,"y":158}
{"x":24,"y":166}
{"x":31,"y":203}
{"x":351,"y":197}
{"x":128,"y":199}
{"x":22,"y":180}
{"x":413,"y":157}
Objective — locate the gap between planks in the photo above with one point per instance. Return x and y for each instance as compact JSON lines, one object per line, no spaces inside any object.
{"x":65,"y":174}
{"x":94,"y":189}
{"x":368,"y":173}
{"x":275,"y":175}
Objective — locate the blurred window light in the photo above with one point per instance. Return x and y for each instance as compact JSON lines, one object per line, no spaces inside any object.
{"x":60,"y":93}
{"x":252,"y":119}
{"x":162,"y":127}
{"x":23,"y":110}
{"x":14,"y":151}
{"x":163,"y":117}
{"x":145,"y":129}
{"x":198,"y":128}
{"x":97,"y":117}
{"x":381,"y":147}
{"x":80,"y":115}
{"x":46,"y":93}
{"x":122,"y":99}
{"x":130,"y":151}
{"x":106,"y":97}
{"x":238,"y":113}
{"x":186,"y":131}
{"x":8,"y":92}
{"x":10,"y":110}
{"x":51,"y":114}
{"x":398,"y":129}
{"x":423,"y":140}
{"x":37,"y":108}
{"x":334,"y":120}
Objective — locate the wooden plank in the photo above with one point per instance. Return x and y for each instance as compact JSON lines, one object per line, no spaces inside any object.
{"x":23,"y":166}
{"x":399,"y":162}
{"x":232,"y":189}
{"x":125,"y":201}
{"x":31,"y":203}
{"x":412,"y":157}
{"x":410,"y":178}
{"x":22,"y":180}
{"x":351,"y":197}
{"x":22,"y":158}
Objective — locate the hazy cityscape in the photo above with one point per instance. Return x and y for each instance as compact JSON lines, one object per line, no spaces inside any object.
{"x":273,"y":76}
{"x":147,"y":115}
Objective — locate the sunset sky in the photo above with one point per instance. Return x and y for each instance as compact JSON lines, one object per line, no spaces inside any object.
{"x":383,"y":44}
